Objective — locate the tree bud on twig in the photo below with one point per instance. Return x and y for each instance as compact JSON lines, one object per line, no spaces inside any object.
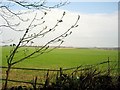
{"x":60,"y":20}
{"x":76,"y":25}
{"x":45,"y":13}
{"x":78,"y":17}
{"x":64,"y":13}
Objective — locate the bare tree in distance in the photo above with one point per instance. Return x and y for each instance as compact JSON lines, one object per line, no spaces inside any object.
{"x":15,"y":20}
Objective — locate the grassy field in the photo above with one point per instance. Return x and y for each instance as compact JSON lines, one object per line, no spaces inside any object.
{"x":64,"y":57}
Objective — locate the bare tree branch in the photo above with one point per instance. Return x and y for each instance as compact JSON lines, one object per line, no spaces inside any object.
{"x":41,"y":33}
{"x":39,"y":5}
{"x":14,"y":26}
{"x":9,"y":60}
{"x":12,"y":14}
{"x":65,"y":34}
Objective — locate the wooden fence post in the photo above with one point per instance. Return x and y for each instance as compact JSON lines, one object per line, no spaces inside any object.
{"x":108,"y":66}
{"x":47,"y":80}
{"x":35,"y":83}
{"x":61,"y":72}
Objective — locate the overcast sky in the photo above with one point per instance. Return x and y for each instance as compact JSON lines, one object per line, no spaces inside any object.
{"x":98,"y":25}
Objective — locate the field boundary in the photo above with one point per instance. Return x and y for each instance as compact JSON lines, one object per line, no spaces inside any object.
{"x":64,"y":69}
{"x":74,"y":70}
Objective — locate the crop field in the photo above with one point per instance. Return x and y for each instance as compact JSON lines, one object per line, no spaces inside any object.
{"x":63,"y":57}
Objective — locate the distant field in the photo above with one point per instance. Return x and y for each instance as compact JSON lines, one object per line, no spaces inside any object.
{"x":64,"y":57}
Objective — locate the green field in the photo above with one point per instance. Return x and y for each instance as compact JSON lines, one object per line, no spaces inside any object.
{"x":63,"y":57}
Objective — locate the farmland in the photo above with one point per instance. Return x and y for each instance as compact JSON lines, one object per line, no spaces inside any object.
{"x":61,"y":57}
{"x":64,"y":57}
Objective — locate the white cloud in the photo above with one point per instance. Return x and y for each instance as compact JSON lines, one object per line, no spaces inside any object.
{"x":94,"y":29}
{"x":97,"y":30}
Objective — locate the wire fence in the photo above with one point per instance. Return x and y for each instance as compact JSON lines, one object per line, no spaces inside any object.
{"x":26,"y":75}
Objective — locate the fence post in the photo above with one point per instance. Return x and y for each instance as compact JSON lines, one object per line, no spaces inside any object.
{"x":34,"y":83}
{"x":61,"y":72}
{"x":47,"y":80}
{"x":108,"y":66}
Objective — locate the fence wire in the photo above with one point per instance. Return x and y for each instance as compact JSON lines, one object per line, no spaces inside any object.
{"x":23,"y":76}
